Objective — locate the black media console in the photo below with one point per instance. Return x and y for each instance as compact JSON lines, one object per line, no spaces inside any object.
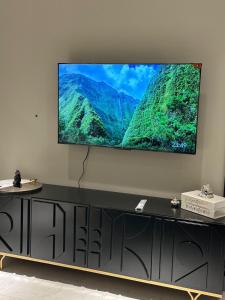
{"x":99,"y":231}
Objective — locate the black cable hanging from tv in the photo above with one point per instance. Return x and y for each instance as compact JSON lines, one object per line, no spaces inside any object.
{"x":83,"y":166}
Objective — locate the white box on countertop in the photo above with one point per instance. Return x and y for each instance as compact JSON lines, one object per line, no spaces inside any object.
{"x":210,"y":207}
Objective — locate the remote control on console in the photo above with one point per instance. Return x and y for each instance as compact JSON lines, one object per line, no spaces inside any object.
{"x":141,"y":205}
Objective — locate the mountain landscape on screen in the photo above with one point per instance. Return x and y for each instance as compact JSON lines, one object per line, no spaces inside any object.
{"x":149,"y":107}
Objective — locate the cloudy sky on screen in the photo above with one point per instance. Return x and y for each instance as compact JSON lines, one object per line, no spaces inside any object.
{"x":131,"y":79}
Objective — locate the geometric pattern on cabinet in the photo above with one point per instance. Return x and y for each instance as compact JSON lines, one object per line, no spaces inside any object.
{"x":120,"y":242}
{"x":81,"y":235}
{"x":150,"y":248}
{"x":187,"y":254}
{"x":173,"y":252}
{"x":14,"y":228}
{"x":162,"y":250}
{"x":59,"y":232}
{"x":48,"y":231}
{"x":105,"y":239}
{"x":191,"y":254}
{"x":195,"y":248}
{"x":137,"y":246}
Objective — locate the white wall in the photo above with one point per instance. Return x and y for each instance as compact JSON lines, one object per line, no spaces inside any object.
{"x":37,"y":34}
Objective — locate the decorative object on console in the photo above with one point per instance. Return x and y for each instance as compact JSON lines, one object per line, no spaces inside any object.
{"x":210,"y":207}
{"x":206,"y":191}
{"x":175,"y":203}
{"x":17,"y":179}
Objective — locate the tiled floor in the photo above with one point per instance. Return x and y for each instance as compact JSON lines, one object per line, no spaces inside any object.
{"x":65,"y":284}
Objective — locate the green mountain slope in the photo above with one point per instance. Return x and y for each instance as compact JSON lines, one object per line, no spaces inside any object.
{"x":114,"y":108}
{"x":166,"y":117}
{"x":79,"y":123}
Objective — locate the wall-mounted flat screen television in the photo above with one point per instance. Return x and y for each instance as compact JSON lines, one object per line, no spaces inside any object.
{"x":129,"y":106}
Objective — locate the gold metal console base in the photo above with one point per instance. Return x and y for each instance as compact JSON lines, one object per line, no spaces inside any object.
{"x":196,"y":296}
{"x":1,"y":261}
{"x":190,"y":292}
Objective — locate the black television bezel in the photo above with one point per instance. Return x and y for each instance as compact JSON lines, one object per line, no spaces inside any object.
{"x":124,"y":148}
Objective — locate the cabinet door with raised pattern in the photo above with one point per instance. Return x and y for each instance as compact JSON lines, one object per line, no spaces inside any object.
{"x":59,"y":232}
{"x":162,"y":250}
{"x":11,"y":227}
{"x":50,"y":232}
{"x":198,"y":256}
{"x":188,"y":254}
{"x":191,"y":254}
{"x":105,"y":239}
{"x":137,"y":246}
{"x":120,"y":242}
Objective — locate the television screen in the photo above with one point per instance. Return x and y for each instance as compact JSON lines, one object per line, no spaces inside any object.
{"x":129,"y":106}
